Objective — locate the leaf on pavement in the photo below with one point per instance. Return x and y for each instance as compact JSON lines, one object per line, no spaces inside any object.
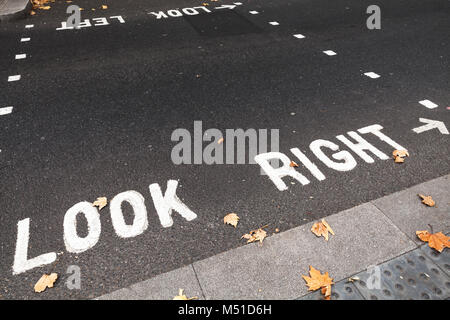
{"x":437,"y":241}
{"x":255,"y":235}
{"x":319,"y":281}
{"x":293,"y":164}
{"x":181,"y":296}
{"x":399,"y":155}
{"x":220,"y":141}
{"x":100,"y":203}
{"x":428,"y":200}
{"x":321,"y":229}
{"x":104,"y":7}
{"x":47,"y":280}
{"x":232,"y":219}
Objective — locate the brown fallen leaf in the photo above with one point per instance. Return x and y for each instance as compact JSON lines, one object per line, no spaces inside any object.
{"x":104,"y":7}
{"x":232,"y":219}
{"x":293,"y":164}
{"x":100,"y":203}
{"x":321,"y":229}
{"x":353,"y":279}
{"x":32,"y":13}
{"x":319,"y":281}
{"x":255,"y":235}
{"x":47,"y":280}
{"x":428,"y":200}
{"x":399,"y":155}
{"x":181,"y":296}
{"x":220,"y":141}
{"x":437,"y":241}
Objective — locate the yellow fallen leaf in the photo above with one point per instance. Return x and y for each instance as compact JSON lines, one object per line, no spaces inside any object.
{"x":32,"y":13}
{"x":319,"y":281}
{"x":399,"y":155}
{"x":45,"y":281}
{"x":232,"y":219}
{"x":321,"y":229}
{"x":255,"y":235}
{"x":428,"y":200}
{"x":181,"y":296}
{"x":220,"y":141}
{"x":437,"y":241}
{"x":100,"y":203}
{"x":104,"y":7}
{"x":293,"y":164}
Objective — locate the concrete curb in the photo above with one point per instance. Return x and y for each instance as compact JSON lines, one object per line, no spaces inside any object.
{"x":14,"y":9}
{"x":366,"y":235}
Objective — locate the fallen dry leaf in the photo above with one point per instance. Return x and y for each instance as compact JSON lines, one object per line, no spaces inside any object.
{"x":104,"y":7}
{"x":437,"y":241}
{"x":428,"y":200}
{"x":319,"y":281}
{"x":293,"y":164}
{"x":220,"y":141}
{"x":399,"y":155}
{"x":181,"y":296}
{"x":100,"y":203}
{"x":321,"y":229}
{"x":255,"y":235}
{"x":353,"y":279}
{"x":47,"y":280}
{"x":232,"y":219}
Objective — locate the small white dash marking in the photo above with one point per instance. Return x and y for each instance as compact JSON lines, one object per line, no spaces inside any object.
{"x":238,"y":3}
{"x":5,"y":110}
{"x":428,"y":104}
{"x":330,"y":52}
{"x":254,"y":12}
{"x":274,"y":23}
{"x":14,"y":78}
{"x":21,"y":56}
{"x":299,"y":36}
{"x":28,"y":26}
{"x":24,"y":39}
{"x":372,"y":75}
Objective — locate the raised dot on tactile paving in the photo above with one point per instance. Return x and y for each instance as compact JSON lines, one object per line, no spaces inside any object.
{"x":398,"y":286}
{"x":387,"y":272}
{"x":348,"y":289}
{"x":435,"y":270}
{"x":437,"y":291}
{"x":425,"y":296}
{"x":372,"y":297}
{"x":399,"y":267}
{"x":410,"y":262}
{"x":422,"y":258}
{"x":387,"y":292}
{"x":412,"y":281}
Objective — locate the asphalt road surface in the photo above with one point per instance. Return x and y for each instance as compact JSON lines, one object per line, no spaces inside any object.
{"x":95,"y":108}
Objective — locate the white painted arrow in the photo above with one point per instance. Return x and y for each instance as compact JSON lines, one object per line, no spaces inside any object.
{"x":226,"y":6}
{"x":431,"y":124}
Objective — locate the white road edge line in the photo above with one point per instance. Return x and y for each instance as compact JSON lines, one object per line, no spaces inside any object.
{"x":428,"y":104}
{"x":14,"y":78}
{"x":5,"y":110}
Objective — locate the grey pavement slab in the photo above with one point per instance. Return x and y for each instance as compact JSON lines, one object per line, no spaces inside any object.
{"x":410,"y":276}
{"x":273,"y":270}
{"x":162,"y":287}
{"x":406,"y":210}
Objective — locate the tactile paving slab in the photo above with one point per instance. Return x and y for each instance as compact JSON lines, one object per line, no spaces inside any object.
{"x":412,"y":276}
{"x":441,"y":259}
{"x":342,"y":290}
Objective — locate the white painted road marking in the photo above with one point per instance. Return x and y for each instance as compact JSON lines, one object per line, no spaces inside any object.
{"x":372,"y":75}
{"x":299,"y":36}
{"x":253,"y":12}
{"x":428,"y":104}
{"x":330,"y":52}
{"x":5,"y":111}
{"x":24,"y":39}
{"x":274,"y":23}
{"x":14,"y":78}
{"x":21,"y":56}
{"x":226,"y":6}
{"x":87,"y":23}
{"x":431,"y":124}
{"x":28,"y":26}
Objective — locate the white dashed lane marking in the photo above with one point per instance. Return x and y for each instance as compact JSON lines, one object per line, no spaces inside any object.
{"x":274,"y":23}
{"x":14,"y":78}
{"x":25,"y":39}
{"x":28,"y":26}
{"x":253,"y":12}
{"x":330,"y":52}
{"x":21,"y":56}
{"x":299,"y":36}
{"x":372,"y":75}
{"x":428,"y":104}
{"x":5,"y":111}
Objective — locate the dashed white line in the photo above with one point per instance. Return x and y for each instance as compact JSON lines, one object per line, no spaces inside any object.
{"x":372,"y":75}
{"x":428,"y":104}
{"x":5,"y":111}
{"x":28,"y":26}
{"x":21,"y":56}
{"x":14,"y":78}
{"x":237,"y":3}
{"x":25,"y":39}
{"x":253,"y":12}
{"x":299,"y":36}
{"x":274,"y":23}
{"x":330,"y":52}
